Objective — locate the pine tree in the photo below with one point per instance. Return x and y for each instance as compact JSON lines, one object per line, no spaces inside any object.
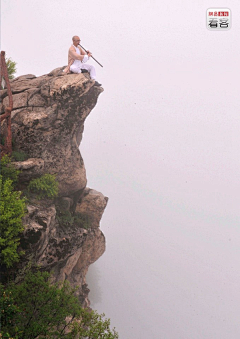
{"x":11,"y":67}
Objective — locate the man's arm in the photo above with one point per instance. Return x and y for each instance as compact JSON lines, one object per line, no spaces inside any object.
{"x":83,"y":52}
{"x":74,"y":55}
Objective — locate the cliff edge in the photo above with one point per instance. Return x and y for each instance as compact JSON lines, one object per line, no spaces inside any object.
{"x":47,"y":124}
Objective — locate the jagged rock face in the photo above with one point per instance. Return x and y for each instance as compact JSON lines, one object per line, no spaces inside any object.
{"x":92,"y":204}
{"x":66,"y":250}
{"x":47,"y":123}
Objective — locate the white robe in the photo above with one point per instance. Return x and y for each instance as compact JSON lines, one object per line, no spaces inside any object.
{"x":78,"y":65}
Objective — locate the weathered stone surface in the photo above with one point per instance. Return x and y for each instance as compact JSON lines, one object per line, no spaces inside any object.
{"x":66,"y":250}
{"x":66,"y":203}
{"x":57,"y":71}
{"x":47,"y":124}
{"x":3,"y":94}
{"x":29,"y":164}
{"x":25,"y":76}
{"x":29,"y":168}
{"x":92,"y":204}
{"x":19,"y":100}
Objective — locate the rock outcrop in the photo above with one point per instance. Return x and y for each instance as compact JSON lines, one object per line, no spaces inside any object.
{"x":47,"y":124}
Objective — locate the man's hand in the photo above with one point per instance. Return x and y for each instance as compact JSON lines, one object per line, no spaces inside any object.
{"x":89,"y":54}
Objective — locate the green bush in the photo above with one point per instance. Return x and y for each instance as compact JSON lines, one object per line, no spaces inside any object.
{"x":11,"y":67}
{"x":66,"y":218}
{"x":45,"y":187}
{"x":8,"y":171}
{"x":82,"y":220}
{"x":8,"y":309}
{"x":19,"y":156}
{"x":12,"y":210}
{"x":39,"y":309}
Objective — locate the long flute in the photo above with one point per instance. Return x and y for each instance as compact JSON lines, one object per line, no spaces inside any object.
{"x":91,"y":55}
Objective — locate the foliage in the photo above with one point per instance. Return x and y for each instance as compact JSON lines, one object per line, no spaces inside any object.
{"x":45,"y":187}
{"x":39,"y":309}
{"x":93,"y":326}
{"x":19,"y":156}
{"x":66,"y":218}
{"x":11,"y":68}
{"x":12,"y":209}
{"x":8,"y":171}
{"x":8,"y":311}
{"x":82,"y":220}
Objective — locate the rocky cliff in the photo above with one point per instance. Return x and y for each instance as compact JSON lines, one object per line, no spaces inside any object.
{"x":47,"y":124}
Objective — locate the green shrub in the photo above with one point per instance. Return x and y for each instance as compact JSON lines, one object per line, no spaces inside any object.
{"x":39,"y":309}
{"x":19,"y":156}
{"x":8,"y":308}
{"x":11,"y":67}
{"x":12,"y":210}
{"x":45,"y":187}
{"x":65,"y":218}
{"x":82,"y":220}
{"x":8,"y":171}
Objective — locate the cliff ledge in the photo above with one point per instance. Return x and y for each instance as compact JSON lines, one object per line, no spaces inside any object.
{"x":47,"y":124}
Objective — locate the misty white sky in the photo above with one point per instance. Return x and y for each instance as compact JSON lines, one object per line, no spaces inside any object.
{"x":163,"y":144}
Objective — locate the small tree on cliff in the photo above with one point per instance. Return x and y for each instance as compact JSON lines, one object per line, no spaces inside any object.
{"x":35,"y":308}
{"x":11,"y":67}
{"x":12,"y":210}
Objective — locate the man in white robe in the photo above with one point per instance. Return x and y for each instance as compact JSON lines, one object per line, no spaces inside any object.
{"x":77,"y":59}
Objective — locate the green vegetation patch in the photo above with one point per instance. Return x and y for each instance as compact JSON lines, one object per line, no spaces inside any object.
{"x":44,"y":187}
{"x":35,"y":308}
{"x":8,"y":171}
{"x":11,"y":67}
{"x":12,"y":210}
{"x":82,"y":220}
{"x":19,"y":156}
{"x":66,"y":218}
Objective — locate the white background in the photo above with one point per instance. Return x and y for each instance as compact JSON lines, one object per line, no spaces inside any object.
{"x":163,"y":144}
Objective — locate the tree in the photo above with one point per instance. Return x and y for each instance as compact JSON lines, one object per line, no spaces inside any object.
{"x":11,"y":68}
{"x":12,"y":210}
{"x":8,"y":171}
{"x":38,"y":309}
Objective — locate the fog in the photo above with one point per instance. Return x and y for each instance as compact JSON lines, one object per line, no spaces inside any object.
{"x":163,"y":144}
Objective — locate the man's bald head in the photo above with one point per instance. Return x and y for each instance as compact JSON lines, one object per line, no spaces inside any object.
{"x":75,"y":37}
{"x":76,"y":40}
